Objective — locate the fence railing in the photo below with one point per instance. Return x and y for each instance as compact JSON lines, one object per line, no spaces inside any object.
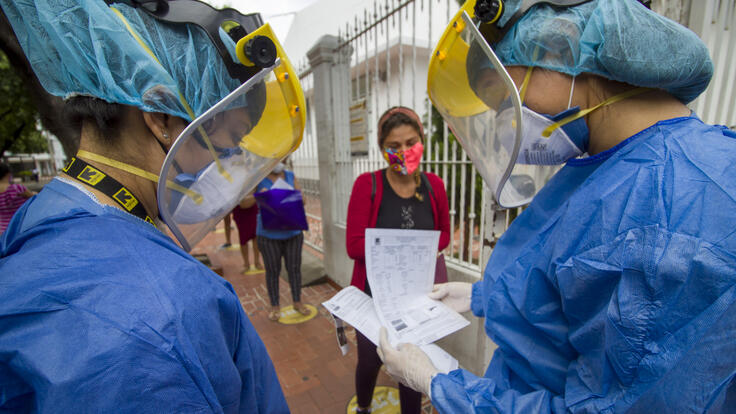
{"x":715,"y":23}
{"x":389,"y":44}
{"x":305,"y":163}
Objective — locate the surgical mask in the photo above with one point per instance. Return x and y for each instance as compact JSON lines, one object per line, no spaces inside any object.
{"x":279,"y":168}
{"x":404,"y":162}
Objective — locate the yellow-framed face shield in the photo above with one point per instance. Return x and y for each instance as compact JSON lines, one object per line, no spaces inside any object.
{"x":224,"y":153}
{"x":481,"y":104}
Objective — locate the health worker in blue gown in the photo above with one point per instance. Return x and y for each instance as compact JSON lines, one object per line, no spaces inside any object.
{"x":615,"y":290}
{"x":181,"y":110}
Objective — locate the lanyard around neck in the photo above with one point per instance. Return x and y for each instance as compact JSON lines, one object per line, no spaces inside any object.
{"x":80,"y":170}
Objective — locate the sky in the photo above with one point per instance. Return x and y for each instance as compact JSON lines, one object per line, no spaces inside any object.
{"x":279,"y":13}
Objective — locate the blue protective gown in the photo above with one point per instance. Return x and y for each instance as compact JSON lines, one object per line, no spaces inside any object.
{"x":615,"y":290}
{"x":102,"y":313}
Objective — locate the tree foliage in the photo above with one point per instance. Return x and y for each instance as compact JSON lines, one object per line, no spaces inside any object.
{"x":18,"y":114}
{"x":50,"y":109}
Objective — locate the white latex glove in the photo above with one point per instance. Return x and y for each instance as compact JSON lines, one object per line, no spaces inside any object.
{"x":455,"y":295}
{"x":407,"y":364}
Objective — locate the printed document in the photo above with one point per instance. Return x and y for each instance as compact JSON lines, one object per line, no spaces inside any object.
{"x":400,"y":265}
{"x":356,"y":308}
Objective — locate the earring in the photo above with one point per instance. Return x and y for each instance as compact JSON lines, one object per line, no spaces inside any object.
{"x":166,"y":135}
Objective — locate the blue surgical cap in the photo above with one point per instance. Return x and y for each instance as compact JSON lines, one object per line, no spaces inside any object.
{"x":619,"y":40}
{"x":83,"y":47}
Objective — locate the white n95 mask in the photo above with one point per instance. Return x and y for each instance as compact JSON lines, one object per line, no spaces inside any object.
{"x":218,"y":194}
{"x":535,"y":149}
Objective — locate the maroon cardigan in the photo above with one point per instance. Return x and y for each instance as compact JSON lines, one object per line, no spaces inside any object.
{"x":363,"y":214}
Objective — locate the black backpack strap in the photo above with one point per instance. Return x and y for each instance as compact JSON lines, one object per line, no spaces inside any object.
{"x":373,"y":186}
{"x":425,"y":180}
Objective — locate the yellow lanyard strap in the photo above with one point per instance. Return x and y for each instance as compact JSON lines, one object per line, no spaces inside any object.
{"x":196,"y":197}
{"x":612,"y":100}
{"x":522,"y":92}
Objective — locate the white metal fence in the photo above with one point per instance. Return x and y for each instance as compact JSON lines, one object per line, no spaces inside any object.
{"x":305,"y":165}
{"x":390,"y":44}
{"x":715,"y":22}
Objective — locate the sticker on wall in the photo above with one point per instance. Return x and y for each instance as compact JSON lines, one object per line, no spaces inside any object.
{"x":385,"y":401}
{"x":290,"y":316}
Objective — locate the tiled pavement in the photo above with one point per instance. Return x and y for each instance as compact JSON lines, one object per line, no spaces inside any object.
{"x":314,"y":376}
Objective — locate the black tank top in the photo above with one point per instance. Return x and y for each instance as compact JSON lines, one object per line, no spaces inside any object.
{"x":396,"y":212}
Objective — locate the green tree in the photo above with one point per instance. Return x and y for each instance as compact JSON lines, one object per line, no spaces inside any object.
{"x":18,"y":114}
{"x":50,"y":109}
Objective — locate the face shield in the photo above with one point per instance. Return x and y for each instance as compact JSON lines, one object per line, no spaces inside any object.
{"x":475,"y":95}
{"x":227,"y":150}
{"x":223,"y":154}
{"x":483,"y":110}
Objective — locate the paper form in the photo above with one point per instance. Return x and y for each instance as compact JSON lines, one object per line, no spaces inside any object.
{"x":356,"y":308}
{"x":400,"y":265}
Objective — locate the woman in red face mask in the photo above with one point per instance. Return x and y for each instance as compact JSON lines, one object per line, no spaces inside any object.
{"x":397,"y":197}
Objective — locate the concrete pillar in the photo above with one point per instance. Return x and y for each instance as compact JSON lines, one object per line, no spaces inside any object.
{"x":331,"y":72}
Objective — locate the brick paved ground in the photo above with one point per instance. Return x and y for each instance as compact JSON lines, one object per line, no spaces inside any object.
{"x":315,"y":377}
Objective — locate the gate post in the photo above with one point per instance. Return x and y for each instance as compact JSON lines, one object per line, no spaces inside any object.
{"x":331,"y":71}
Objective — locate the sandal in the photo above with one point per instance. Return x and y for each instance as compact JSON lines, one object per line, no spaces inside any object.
{"x":303,"y":309}
{"x":274,"y":315}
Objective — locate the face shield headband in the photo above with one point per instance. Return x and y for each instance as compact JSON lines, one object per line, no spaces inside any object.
{"x":255,"y":53}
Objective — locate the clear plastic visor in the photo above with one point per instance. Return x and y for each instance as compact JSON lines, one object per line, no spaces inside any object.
{"x":224,"y":153}
{"x":480,"y":102}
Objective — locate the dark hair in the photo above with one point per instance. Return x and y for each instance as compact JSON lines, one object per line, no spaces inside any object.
{"x":4,"y":169}
{"x":396,"y":120}
{"x":105,"y":116}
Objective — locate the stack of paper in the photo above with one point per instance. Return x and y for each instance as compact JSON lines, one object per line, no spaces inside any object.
{"x":400,"y":266}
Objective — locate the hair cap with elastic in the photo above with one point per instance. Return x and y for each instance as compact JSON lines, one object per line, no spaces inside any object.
{"x":620,"y":40}
{"x":121,"y":55}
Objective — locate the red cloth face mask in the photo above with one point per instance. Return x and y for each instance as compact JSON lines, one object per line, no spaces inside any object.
{"x":413,"y":156}
{"x":405,"y":162}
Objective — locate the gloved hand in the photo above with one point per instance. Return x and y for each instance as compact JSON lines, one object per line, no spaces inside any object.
{"x":456,"y":295}
{"x":407,"y":364}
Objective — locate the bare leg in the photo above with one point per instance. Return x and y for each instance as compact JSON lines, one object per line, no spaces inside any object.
{"x":244,"y":252}
{"x":256,"y":254}
{"x":226,"y":221}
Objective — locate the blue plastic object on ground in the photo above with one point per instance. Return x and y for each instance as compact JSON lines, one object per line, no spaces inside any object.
{"x":615,"y":290}
{"x":610,"y":38}
{"x":100,"y":312}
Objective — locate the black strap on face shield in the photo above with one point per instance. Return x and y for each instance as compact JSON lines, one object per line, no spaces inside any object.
{"x":260,"y":50}
{"x":489,"y":12}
